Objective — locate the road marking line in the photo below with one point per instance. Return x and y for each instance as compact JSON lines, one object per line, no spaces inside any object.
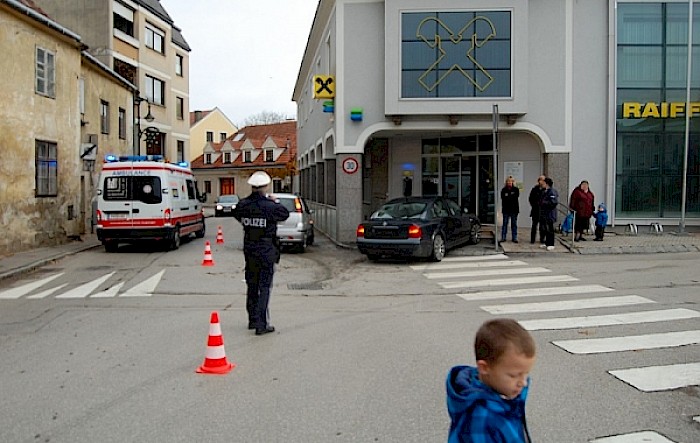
{"x":47,"y":292}
{"x":533,"y":292}
{"x":507,"y":281}
{"x":476,"y":258}
{"x":145,"y":288}
{"x":564,"y":305}
{"x":609,"y":320}
{"x":465,"y":265}
{"x":635,"y":437}
{"x":85,"y":290}
{"x":109,"y":292}
{"x":629,"y":343}
{"x":482,"y":273}
{"x":27,"y":288}
{"x":660,"y":378}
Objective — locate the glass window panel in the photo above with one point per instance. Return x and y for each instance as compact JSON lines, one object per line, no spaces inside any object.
{"x":500,"y":87}
{"x":409,"y":25}
{"x":677,"y":23}
{"x":639,"y":23}
{"x":412,"y":88}
{"x":417,"y":56}
{"x":495,"y":55}
{"x":639,"y":67}
{"x":431,"y":146}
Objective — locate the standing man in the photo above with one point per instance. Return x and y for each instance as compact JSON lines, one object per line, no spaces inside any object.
{"x":259,"y":215}
{"x":510,"y":209}
{"x":548,"y":212}
{"x":534,"y":200}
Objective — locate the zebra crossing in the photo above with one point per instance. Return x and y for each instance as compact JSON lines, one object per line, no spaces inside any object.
{"x":89,"y":289}
{"x":494,"y":277}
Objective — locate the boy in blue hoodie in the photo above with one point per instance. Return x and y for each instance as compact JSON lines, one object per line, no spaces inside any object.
{"x":601,"y":221}
{"x":486,"y":403}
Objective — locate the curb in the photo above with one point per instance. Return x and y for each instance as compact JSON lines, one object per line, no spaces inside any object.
{"x":42,"y":262}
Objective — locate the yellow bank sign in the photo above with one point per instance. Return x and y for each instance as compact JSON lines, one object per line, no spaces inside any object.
{"x":658,"y":110}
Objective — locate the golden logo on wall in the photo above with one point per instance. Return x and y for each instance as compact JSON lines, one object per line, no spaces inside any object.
{"x":455,"y":39}
{"x":324,"y":86}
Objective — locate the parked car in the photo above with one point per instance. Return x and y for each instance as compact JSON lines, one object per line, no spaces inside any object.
{"x":417,"y":227}
{"x":298,"y":230}
{"x":225,"y":205}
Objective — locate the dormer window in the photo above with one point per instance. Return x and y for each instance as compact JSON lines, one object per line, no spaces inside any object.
{"x":227,"y":157}
{"x":207,"y":159}
{"x":247,"y":157}
{"x":269,"y":155}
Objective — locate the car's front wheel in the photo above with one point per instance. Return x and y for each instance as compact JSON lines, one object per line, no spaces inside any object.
{"x":475,"y":234}
{"x":438,"y":252}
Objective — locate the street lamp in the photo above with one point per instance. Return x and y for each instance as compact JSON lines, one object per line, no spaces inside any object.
{"x":151,"y":132}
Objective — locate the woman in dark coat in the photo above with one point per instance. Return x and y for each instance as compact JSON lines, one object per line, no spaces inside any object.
{"x":583,"y":202}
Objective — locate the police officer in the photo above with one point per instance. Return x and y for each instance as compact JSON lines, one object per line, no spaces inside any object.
{"x":259,"y":215}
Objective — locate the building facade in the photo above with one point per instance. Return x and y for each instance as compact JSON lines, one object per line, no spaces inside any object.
{"x":451,"y":97}
{"x":60,"y":107}
{"x":208,"y":127}
{"x":139,"y":40}
{"x":226,"y":166}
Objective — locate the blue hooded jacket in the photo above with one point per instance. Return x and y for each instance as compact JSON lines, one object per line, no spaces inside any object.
{"x":481,"y":415}
{"x":601,"y":217}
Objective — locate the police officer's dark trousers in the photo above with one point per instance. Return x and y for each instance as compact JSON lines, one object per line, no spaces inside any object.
{"x":260,"y":260}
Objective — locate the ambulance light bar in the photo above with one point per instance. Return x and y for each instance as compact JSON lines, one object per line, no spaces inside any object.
{"x":111,"y":158}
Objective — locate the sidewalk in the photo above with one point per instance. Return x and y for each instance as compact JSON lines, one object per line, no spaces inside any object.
{"x":616,"y":241}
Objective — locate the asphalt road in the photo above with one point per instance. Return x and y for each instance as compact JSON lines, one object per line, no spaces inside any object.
{"x":104,"y":347}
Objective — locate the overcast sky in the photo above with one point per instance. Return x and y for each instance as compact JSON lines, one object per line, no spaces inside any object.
{"x":245,"y":53}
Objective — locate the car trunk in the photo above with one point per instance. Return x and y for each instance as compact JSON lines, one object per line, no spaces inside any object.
{"x":387,"y":230}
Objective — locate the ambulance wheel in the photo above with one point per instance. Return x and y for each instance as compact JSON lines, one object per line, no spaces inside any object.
{"x":201,"y":232}
{"x":175,"y":239}
{"x":110,"y":246}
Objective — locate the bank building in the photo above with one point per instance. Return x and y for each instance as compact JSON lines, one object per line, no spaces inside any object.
{"x":417,"y":96}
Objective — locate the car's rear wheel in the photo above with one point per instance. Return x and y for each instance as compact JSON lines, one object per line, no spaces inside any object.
{"x":175,"y":239}
{"x":373,"y":257}
{"x":201,"y":232}
{"x":110,"y":246}
{"x":301,"y":247}
{"x":438,"y":252}
{"x":475,"y":234}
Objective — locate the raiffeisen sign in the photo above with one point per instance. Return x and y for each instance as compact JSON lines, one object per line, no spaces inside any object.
{"x":658,"y":110}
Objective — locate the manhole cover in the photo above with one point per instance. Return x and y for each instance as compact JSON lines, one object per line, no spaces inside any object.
{"x":314,"y":286}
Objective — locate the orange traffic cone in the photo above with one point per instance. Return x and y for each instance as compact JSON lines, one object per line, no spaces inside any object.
{"x":219,"y":236}
{"x":215,"y":360}
{"x":207,"y":255}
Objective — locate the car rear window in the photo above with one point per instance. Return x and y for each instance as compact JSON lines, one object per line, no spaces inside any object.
{"x":288,"y":204}
{"x":400,"y":210}
{"x":228,"y":199}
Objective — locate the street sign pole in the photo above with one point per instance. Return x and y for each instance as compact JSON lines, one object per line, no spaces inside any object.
{"x":496,"y":194}
{"x":684,"y":187}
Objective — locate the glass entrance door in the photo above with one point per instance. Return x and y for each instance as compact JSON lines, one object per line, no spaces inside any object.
{"x":459,"y":181}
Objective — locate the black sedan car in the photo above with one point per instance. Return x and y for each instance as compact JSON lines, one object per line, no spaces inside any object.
{"x":417,"y":227}
{"x":225,"y":205}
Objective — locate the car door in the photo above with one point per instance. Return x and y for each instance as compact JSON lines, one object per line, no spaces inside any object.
{"x":461,"y":222}
{"x":449,"y":223}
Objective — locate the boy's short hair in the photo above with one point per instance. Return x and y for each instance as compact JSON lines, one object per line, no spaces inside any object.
{"x":494,"y":337}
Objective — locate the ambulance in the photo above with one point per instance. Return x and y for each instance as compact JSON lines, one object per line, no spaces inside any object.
{"x":144,"y":198}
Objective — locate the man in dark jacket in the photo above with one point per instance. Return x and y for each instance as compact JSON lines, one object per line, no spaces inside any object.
{"x":259,"y":215}
{"x":534,"y":200}
{"x":510,"y":209}
{"x":548,"y":212}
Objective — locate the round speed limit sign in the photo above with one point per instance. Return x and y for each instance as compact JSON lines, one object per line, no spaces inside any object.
{"x":350,"y":165}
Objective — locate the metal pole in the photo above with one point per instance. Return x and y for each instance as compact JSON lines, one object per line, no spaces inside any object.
{"x":496,"y":194}
{"x":137,"y":126}
{"x":681,"y":226}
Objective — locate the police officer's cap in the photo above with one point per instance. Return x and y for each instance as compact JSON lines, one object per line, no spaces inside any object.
{"x":259,"y":179}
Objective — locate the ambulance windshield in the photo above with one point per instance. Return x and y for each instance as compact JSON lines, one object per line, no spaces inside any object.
{"x":146,"y":189}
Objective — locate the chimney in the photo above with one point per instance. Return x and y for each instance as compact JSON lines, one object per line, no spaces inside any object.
{"x":197,"y":116}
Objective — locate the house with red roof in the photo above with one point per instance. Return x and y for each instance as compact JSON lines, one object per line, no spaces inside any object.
{"x":225,"y":166}
{"x":208,"y":126}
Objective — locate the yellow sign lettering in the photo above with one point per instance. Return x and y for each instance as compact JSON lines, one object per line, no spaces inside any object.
{"x":659,"y":110}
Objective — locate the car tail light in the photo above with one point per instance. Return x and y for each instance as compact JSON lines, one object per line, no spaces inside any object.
{"x":415,"y":231}
{"x":360,"y":231}
{"x":99,"y":216}
{"x":166,"y":215}
{"x":297,"y":205}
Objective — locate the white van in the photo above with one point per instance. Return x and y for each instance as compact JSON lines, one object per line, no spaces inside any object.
{"x":143,"y":198}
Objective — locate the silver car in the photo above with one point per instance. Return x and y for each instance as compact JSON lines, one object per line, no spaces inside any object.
{"x":225,"y":205}
{"x":298,"y":230}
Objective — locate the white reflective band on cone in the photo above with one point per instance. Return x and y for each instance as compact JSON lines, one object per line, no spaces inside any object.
{"x":216,"y":352}
{"x":214,"y":329}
